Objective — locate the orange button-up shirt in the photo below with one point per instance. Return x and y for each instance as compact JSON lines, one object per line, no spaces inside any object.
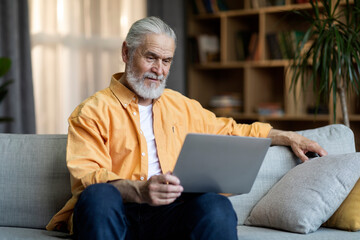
{"x":105,"y":141}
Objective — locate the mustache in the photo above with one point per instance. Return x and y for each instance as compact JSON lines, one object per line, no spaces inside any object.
{"x":153,"y":76}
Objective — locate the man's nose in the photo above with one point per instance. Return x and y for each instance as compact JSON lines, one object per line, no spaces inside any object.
{"x":157,"y":67}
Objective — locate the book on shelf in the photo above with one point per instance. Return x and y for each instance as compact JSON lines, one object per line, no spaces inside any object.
{"x":296,"y":38}
{"x":282,"y":45}
{"x":198,"y":6}
{"x":208,"y":48}
{"x":242,"y":40}
{"x":222,"y":5}
{"x":302,"y":1}
{"x":247,"y":45}
{"x":215,"y":6}
{"x":270,"y":109}
{"x":286,"y":41}
{"x":193,"y":50}
{"x":209,"y":6}
{"x":259,"y":3}
{"x":266,"y":3}
{"x":320,"y":109}
{"x":277,"y":2}
{"x":254,"y":48}
{"x":274,"y":46}
{"x":226,"y":103}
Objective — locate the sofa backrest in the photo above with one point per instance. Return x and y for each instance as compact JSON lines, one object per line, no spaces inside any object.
{"x":34,"y":180}
{"x":335,"y":139}
{"x":35,"y":183}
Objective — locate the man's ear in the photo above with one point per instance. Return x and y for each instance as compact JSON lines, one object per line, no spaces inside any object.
{"x":125,"y":52}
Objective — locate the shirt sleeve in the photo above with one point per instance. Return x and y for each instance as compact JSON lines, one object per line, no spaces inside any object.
{"x":228,"y":126}
{"x":88,"y":158}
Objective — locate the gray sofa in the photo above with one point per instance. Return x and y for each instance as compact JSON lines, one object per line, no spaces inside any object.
{"x":34,"y":185}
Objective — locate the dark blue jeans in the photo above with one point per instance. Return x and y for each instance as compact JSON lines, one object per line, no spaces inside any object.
{"x":101,"y":214}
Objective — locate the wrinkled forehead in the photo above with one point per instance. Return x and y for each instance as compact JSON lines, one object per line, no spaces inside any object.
{"x":159,"y":44}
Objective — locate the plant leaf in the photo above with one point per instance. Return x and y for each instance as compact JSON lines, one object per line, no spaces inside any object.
{"x":6,"y":119}
{"x":3,"y":89}
{"x":5,"y":64}
{"x":334,"y":51}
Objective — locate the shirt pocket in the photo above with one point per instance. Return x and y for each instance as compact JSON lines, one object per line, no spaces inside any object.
{"x":178,"y":133}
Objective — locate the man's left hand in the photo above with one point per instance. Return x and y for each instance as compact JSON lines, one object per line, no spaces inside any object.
{"x":298,"y":143}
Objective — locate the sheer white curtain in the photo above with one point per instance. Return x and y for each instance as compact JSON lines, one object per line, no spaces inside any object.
{"x":76,"y":47}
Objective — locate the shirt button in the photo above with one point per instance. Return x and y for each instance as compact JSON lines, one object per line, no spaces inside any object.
{"x":134,"y":113}
{"x":143,"y":154}
{"x":142,"y":178}
{"x":125,"y":105}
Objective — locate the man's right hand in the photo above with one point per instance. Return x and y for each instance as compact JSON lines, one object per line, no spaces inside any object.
{"x":158,"y":190}
{"x":161,"y":190}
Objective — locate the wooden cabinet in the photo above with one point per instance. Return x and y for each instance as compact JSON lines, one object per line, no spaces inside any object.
{"x":260,"y":83}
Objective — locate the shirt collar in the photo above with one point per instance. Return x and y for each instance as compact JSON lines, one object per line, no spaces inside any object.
{"x":122,"y":93}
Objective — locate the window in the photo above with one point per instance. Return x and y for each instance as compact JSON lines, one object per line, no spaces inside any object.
{"x":76,"y":47}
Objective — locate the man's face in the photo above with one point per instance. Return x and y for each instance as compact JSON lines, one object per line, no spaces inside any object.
{"x":149,"y":67}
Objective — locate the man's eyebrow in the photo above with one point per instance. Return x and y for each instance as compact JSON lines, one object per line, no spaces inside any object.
{"x":149,"y":53}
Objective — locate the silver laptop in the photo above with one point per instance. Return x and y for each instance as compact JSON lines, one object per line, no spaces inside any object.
{"x":219,"y":163}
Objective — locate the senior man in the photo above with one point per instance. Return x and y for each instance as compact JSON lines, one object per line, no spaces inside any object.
{"x":123,"y":143}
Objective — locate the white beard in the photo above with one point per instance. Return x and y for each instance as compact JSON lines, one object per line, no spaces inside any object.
{"x":142,"y":90}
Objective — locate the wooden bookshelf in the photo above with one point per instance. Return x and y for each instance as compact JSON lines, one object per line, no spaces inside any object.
{"x":258,"y":80}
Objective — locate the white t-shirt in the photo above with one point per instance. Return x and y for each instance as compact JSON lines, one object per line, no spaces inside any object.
{"x":146,"y":125}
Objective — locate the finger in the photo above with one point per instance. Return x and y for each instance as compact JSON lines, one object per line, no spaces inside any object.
{"x":165,"y":188}
{"x":323,"y":152}
{"x":162,"y":195}
{"x":165,"y":179}
{"x":318,"y":149}
{"x":171,"y":179}
{"x":160,"y":198}
{"x":160,"y":202}
{"x":300,"y":154}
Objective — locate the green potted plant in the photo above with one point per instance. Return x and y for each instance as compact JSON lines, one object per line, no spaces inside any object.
{"x":332,"y":52}
{"x":5,"y":64}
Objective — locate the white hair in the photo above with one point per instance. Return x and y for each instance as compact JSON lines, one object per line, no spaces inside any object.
{"x":142,"y":27}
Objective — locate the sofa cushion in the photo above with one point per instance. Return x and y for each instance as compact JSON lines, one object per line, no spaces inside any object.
{"x":258,"y":233}
{"x":336,"y":139}
{"x":12,"y":233}
{"x":34,"y":180}
{"x":347,"y":216}
{"x":308,"y":194}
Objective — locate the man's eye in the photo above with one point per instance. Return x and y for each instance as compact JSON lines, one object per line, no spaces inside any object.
{"x":150,"y":58}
